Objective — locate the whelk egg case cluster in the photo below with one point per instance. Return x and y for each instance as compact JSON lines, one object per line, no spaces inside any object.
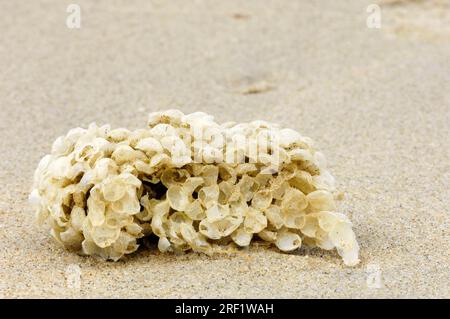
{"x":195,"y":184}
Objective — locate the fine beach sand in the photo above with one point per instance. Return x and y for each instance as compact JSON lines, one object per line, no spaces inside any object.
{"x":376,"y":101}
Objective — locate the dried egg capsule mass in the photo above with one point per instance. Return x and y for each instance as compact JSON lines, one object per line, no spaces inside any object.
{"x":191,"y":182}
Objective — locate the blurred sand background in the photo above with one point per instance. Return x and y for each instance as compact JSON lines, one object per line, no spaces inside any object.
{"x":376,"y":101}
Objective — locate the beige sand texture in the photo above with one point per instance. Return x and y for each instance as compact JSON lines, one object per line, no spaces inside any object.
{"x":376,"y":101}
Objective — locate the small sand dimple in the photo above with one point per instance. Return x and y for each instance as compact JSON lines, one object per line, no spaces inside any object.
{"x":240,"y":16}
{"x":252,"y":84}
{"x":257,"y":87}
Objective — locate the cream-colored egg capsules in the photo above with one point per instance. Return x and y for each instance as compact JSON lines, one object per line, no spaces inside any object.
{"x":195,"y":184}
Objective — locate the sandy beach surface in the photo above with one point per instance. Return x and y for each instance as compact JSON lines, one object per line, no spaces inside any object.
{"x":375,"y":100}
